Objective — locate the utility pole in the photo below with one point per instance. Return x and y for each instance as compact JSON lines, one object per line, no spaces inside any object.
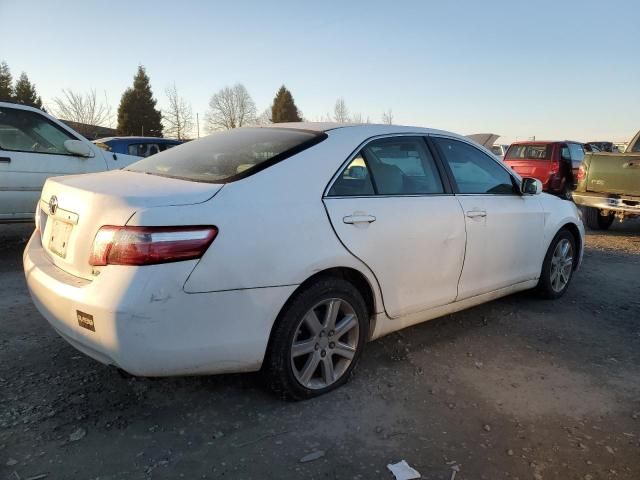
{"x":198,"y":123}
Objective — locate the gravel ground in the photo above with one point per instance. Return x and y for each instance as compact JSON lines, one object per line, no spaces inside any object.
{"x":519,"y":388}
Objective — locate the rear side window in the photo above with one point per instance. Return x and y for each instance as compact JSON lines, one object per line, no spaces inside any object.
{"x":230,"y":155}
{"x":529,"y":152}
{"x":390,"y":166}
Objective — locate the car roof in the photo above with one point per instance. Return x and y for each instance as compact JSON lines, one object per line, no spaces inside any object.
{"x":361,"y":128}
{"x":539,"y":142}
{"x":136,"y":139}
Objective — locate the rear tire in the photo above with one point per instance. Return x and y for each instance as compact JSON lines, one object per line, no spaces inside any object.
{"x":595,"y":221}
{"x":317,"y":340}
{"x":557,"y":268}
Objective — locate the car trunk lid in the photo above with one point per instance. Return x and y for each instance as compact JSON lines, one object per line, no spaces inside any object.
{"x":73,"y":208}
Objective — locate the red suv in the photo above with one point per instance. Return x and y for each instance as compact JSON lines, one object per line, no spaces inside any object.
{"x":555,"y":164}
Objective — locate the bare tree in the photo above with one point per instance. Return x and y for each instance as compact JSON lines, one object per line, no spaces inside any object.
{"x":387,"y":117}
{"x":85,"y":109}
{"x":356,"y":118}
{"x":231,"y":107}
{"x":177,"y":117}
{"x":264,"y":118}
{"x":340,"y":111}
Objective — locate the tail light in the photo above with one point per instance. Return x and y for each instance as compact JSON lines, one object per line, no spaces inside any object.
{"x":555,"y":167}
{"x":149,"y":245}
{"x":582,"y":173}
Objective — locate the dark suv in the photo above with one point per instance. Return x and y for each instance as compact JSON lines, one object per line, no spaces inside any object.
{"x":555,"y":164}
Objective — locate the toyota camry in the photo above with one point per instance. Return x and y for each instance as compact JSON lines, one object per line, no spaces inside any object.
{"x":287,"y":248}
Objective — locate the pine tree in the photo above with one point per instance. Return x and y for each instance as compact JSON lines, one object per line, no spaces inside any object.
{"x":284,"y":108}
{"x":137,"y":114}
{"x":25,"y":92}
{"x":6,"y":83}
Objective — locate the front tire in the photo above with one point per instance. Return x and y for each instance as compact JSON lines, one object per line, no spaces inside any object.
{"x":317,"y":340}
{"x":557,"y":269}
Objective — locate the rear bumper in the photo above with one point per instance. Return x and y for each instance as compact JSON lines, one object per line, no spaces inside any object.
{"x":147,"y":325}
{"x":626,"y":205}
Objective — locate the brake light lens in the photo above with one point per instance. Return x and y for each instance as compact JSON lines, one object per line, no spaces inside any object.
{"x":555,"y":167}
{"x":149,"y":245}
{"x":582,"y":173}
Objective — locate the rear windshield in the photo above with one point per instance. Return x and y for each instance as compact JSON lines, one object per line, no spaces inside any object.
{"x":529,"y":152}
{"x":228,"y":156}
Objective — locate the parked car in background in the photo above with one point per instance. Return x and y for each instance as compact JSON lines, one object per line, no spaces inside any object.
{"x":590,"y":147}
{"x":555,"y":164}
{"x":35,"y":146}
{"x":499,"y":150}
{"x":604,"y":146}
{"x":364,"y":230}
{"x":138,"y":146}
{"x":609,"y":186}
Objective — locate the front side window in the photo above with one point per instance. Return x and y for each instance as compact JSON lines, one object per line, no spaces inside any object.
{"x":228,"y":156}
{"x":473,"y":170}
{"x":25,"y":131}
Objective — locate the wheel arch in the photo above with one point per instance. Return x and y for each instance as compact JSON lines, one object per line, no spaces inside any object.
{"x":575,"y":232}
{"x":358,"y":279}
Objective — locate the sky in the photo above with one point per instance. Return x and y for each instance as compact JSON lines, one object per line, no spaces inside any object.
{"x":562,"y":69}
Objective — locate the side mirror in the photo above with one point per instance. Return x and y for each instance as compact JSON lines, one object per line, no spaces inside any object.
{"x":531,"y":186}
{"x":76,"y":147}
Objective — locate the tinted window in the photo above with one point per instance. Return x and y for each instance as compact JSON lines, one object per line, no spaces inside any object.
{"x":529,"y":152}
{"x":496,"y":150}
{"x":227,"y":156}
{"x":354,"y":180}
{"x":26,"y":131}
{"x":473,"y":170}
{"x":402,"y":166}
{"x":576,"y":151}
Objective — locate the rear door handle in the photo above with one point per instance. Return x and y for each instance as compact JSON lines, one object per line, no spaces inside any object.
{"x":476,"y":213}
{"x":351,"y":219}
{"x":5,"y":160}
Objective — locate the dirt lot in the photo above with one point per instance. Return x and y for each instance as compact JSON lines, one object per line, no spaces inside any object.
{"x":516,"y":389}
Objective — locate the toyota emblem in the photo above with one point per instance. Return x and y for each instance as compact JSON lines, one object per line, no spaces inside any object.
{"x":53,"y":205}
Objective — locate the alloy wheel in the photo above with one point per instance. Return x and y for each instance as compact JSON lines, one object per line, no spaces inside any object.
{"x":561,"y":265}
{"x":324,"y":343}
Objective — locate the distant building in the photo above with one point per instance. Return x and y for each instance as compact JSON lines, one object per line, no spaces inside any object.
{"x":90,"y":132}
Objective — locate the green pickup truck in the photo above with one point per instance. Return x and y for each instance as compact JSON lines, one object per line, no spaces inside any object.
{"x":609,"y":186}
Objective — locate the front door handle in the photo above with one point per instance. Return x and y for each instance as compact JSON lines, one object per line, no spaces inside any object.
{"x":351,"y":219}
{"x":476,"y":213}
{"x":5,"y":160}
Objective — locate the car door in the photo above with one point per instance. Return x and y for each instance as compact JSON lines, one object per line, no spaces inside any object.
{"x":576,"y":152}
{"x":31,"y":150}
{"x":504,"y":228}
{"x":390,"y":208}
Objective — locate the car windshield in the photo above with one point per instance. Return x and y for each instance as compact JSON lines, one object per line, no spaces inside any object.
{"x":529,"y":152}
{"x":228,"y":156}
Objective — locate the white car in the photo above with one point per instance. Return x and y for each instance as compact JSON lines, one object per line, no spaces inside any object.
{"x":287,"y":248}
{"x":35,"y":146}
{"x":499,"y":150}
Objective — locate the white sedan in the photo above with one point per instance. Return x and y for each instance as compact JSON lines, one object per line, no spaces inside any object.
{"x":287,"y":248}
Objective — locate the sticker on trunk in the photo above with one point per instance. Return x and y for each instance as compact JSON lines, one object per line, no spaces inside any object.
{"x":85,"y":320}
